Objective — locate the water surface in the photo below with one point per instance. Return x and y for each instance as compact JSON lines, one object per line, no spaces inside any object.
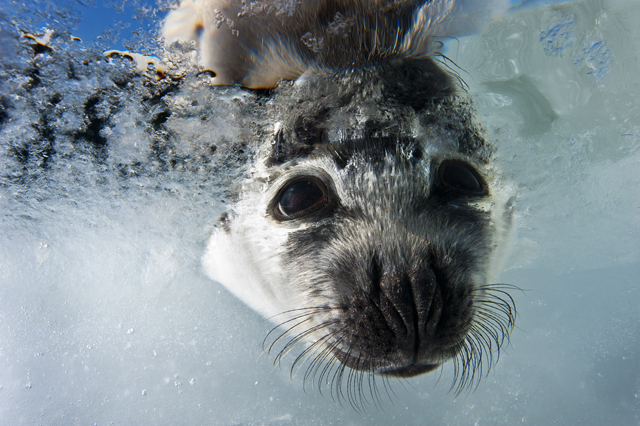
{"x":106,"y":202}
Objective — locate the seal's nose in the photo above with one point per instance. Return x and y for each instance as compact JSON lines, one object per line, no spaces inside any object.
{"x":411,"y":304}
{"x":403,"y":321}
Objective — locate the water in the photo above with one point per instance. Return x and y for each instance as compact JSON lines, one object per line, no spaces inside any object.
{"x":106,"y":204}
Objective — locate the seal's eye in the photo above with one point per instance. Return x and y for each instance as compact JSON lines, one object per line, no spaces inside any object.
{"x":302,"y":198}
{"x":461,"y":177}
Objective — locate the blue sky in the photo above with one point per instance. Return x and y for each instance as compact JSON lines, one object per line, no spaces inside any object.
{"x":97,"y":18}
{"x":86,"y":19}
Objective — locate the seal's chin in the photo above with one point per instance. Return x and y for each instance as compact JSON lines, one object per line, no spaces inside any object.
{"x":409,"y":370}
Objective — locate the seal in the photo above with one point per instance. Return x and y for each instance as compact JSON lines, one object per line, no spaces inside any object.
{"x":371,"y":222}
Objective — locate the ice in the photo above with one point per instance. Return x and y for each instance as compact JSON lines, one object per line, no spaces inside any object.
{"x":110,"y":182}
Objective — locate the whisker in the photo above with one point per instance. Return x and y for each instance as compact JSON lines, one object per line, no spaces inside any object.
{"x":307,"y":312}
{"x":494,"y":319}
{"x":473,"y":358}
{"x":300,"y":338}
{"x":314,"y":346}
{"x":325,"y":352}
{"x":453,"y":68}
{"x":293,"y":342}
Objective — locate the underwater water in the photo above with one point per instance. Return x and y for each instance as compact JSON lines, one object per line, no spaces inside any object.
{"x":110,"y":185}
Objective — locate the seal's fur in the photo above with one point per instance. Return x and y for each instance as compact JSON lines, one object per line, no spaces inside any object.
{"x":371,"y":221}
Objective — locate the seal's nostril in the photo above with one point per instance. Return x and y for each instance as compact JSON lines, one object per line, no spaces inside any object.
{"x":375,"y":273}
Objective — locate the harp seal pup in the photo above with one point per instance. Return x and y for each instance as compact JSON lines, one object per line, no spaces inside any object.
{"x":372,"y":222}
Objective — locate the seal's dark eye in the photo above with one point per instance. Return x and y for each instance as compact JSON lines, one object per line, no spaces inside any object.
{"x":301,"y":198}
{"x":462,"y":178}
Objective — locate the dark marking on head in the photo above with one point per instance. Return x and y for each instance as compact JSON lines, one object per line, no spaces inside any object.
{"x":417,"y":83}
{"x":373,"y":149}
{"x":311,"y":110}
{"x":283,"y":150}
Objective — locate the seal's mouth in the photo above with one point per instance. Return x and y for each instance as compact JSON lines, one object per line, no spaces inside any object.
{"x":384,"y":368}
{"x":409,"y":371}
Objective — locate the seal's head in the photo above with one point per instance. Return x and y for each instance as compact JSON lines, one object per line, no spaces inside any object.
{"x":371,"y":222}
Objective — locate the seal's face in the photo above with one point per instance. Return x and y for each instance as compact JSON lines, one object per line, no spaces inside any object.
{"x":371,"y":222}
{"x":387,"y":254}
